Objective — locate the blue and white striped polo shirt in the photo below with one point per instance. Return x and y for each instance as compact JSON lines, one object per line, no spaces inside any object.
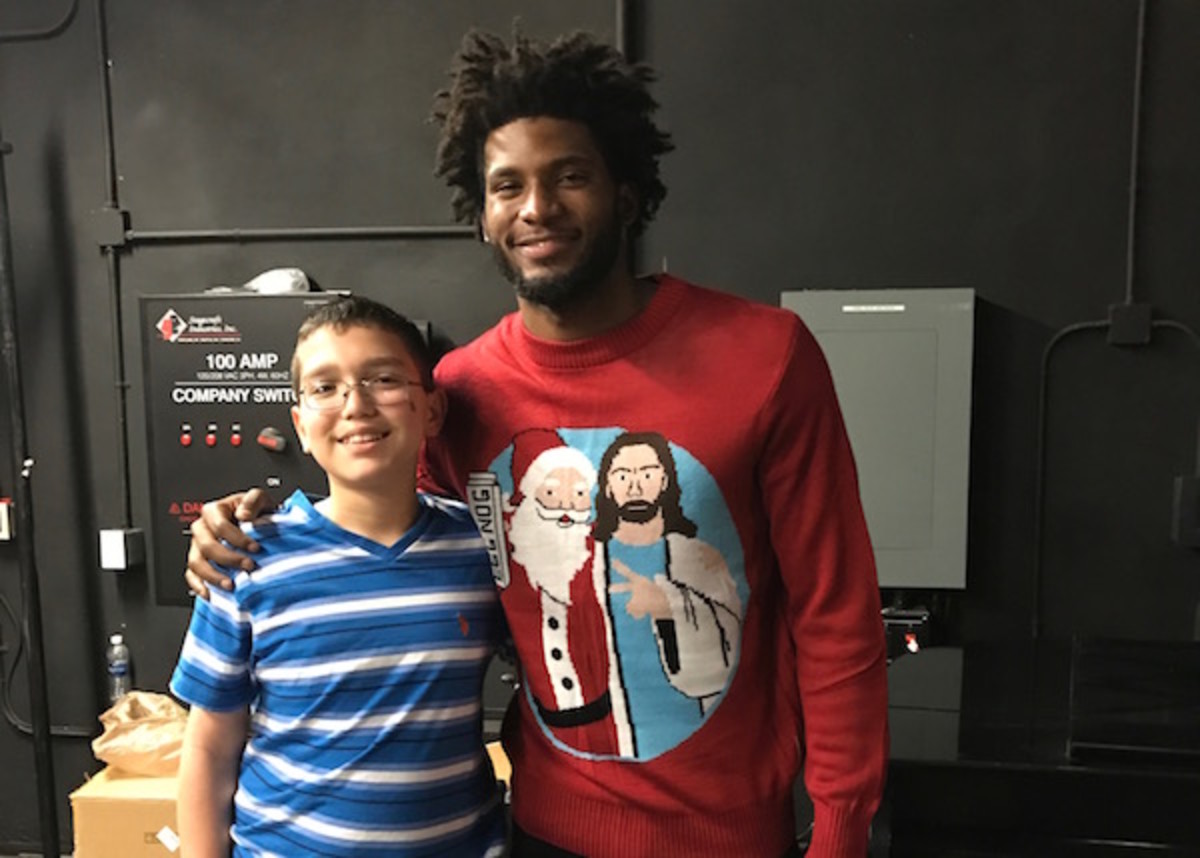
{"x":363,"y":666}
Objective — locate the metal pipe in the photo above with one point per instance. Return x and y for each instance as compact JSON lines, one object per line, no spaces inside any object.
{"x":301,"y":233}
{"x":1039,"y":492}
{"x":1135,"y":134}
{"x":31,"y":627}
{"x":113,"y":269}
{"x":50,"y":32}
{"x":39,"y":702}
{"x":106,"y":105}
{"x":622,"y":28}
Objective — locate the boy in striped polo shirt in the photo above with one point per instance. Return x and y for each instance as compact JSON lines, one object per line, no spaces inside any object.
{"x":336,"y":693}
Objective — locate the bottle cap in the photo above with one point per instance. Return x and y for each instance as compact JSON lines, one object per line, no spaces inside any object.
{"x":116,"y":638}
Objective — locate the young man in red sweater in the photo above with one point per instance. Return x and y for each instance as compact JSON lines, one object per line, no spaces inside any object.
{"x":680,"y":546}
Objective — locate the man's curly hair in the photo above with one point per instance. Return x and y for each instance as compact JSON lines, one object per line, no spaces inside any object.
{"x":575,"y":77}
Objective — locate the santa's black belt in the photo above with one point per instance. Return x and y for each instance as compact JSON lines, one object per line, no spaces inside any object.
{"x":596,"y":710}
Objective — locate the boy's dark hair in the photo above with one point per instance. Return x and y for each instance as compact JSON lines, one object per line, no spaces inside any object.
{"x":355,"y":311}
{"x":576,"y":77}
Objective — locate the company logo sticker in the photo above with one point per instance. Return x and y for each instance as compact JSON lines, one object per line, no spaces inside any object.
{"x":173,"y":328}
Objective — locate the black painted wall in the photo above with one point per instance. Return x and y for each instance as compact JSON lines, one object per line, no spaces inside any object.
{"x":821,"y":144}
{"x":867,"y":145}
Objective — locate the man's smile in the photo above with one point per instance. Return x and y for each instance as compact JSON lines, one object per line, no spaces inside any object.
{"x":543,"y":245}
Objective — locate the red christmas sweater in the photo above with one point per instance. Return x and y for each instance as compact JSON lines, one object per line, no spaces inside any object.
{"x":673,"y":515}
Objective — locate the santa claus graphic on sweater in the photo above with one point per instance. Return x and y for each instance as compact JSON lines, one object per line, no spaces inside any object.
{"x":548,"y":519}
{"x":637,"y":630}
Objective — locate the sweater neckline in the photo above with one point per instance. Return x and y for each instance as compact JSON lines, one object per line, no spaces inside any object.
{"x":620,"y":341}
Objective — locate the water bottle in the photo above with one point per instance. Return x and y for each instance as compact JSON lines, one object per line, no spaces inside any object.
{"x":116,"y":657}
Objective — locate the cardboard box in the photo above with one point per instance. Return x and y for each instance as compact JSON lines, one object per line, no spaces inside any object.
{"x":500,"y":763}
{"x":119,"y":815}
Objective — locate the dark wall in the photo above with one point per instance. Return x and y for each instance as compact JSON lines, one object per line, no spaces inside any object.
{"x":282,"y":114}
{"x":868,"y":145}
{"x":820,"y":144}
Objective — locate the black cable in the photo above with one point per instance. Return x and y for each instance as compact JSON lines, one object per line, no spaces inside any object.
{"x":31,"y":601}
{"x":1178,"y":326}
{"x":106,"y":104}
{"x":112,"y":266}
{"x":1039,"y":488}
{"x":31,"y":627}
{"x":624,"y":34}
{"x":1135,"y":147}
{"x":1040,"y":460}
{"x":1190,"y":333}
{"x":51,"y":32}
{"x":1130,"y":258}
{"x":6,"y":695}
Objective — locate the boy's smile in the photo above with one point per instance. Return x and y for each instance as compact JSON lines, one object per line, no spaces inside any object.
{"x":361,"y":413}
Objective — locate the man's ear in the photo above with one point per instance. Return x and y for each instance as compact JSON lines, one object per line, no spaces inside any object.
{"x":627,"y":204}
{"x":435,"y":414}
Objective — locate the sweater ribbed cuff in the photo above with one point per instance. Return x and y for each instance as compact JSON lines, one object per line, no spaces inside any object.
{"x":838,"y":832}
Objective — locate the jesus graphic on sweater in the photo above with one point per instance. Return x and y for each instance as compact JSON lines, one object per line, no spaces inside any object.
{"x":639,"y":620}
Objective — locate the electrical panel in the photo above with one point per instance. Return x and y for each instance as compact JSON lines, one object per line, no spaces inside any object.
{"x":901,"y":363}
{"x":218,"y":400}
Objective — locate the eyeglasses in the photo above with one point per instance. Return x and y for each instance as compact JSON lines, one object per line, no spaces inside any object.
{"x":332,"y":395}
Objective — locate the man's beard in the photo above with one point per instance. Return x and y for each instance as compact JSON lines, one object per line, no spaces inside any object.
{"x":557,"y":292}
{"x":638,"y":512}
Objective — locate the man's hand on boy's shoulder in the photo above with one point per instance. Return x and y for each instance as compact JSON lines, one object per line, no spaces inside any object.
{"x":217,"y":538}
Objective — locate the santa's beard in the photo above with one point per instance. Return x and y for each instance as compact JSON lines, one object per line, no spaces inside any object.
{"x":551,"y":553}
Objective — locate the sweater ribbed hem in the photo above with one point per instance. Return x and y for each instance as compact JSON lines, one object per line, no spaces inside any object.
{"x":602,"y":830}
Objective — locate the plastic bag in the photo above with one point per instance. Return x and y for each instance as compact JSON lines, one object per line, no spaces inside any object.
{"x":143,"y":734}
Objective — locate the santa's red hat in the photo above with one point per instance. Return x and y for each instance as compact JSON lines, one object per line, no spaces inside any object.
{"x":537,"y":452}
